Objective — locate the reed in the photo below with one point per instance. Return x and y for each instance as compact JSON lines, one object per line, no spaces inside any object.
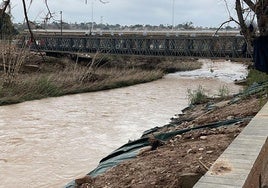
{"x":37,"y":86}
{"x":11,"y":61}
{"x":54,"y":77}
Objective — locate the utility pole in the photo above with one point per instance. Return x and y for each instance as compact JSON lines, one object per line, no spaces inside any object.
{"x":60,"y":22}
{"x":173,"y":12}
{"x":92,"y":15}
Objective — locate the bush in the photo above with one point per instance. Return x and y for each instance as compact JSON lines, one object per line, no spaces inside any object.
{"x":223,"y":91}
{"x":255,"y":76}
{"x":197,"y":96}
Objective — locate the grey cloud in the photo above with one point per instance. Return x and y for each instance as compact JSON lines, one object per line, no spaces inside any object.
{"x":201,"y":12}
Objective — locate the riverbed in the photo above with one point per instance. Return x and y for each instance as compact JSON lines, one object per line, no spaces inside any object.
{"x":49,"y":142}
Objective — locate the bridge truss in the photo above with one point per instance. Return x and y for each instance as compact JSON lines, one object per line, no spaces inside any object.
{"x":199,"y":46}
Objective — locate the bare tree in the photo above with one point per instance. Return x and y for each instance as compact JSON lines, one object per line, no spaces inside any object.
{"x":260,"y":43}
{"x":260,"y":9}
{"x":249,"y":11}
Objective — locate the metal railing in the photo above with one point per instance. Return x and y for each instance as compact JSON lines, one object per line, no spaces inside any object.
{"x":199,"y":46}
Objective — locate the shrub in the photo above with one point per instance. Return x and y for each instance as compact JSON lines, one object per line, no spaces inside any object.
{"x":12,"y":60}
{"x":255,"y":76}
{"x":223,"y":91}
{"x":197,"y":96}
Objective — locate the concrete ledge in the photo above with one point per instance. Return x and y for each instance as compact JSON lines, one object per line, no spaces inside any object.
{"x":245,"y":162}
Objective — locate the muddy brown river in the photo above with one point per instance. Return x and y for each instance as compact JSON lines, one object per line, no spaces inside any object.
{"x":49,"y":142}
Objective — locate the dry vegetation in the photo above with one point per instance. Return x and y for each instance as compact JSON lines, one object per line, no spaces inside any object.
{"x":28,"y":76}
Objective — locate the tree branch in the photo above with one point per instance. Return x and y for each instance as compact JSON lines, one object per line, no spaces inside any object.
{"x":240,"y":18}
{"x":250,"y":4}
{"x":49,"y":14}
{"x":231,"y":20}
{"x":6,"y":5}
{"x":27,"y":19}
{"x":29,"y":28}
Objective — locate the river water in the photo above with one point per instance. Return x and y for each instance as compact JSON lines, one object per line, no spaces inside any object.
{"x":49,"y":142}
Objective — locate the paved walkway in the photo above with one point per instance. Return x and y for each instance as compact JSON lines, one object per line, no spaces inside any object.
{"x":245,"y":162}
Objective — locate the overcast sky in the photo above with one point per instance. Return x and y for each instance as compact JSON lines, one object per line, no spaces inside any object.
{"x":210,"y":13}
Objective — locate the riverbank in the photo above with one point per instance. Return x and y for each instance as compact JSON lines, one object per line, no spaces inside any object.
{"x":178,"y":154}
{"x":28,"y":76}
{"x":63,"y":138}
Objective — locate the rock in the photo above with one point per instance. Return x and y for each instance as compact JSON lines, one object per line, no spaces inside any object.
{"x":189,"y":150}
{"x":213,"y":129}
{"x":144,"y":150}
{"x":201,"y":149}
{"x":209,"y":152}
{"x":203,"y":137}
{"x":178,"y":136}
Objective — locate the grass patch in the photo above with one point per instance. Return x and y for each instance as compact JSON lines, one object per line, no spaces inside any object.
{"x":197,"y":96}
{"x":68,"y":81}
{"x":223,"y":91}
{"x":255,"y":76}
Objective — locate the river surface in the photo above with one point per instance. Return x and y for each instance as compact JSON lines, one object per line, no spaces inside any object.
{"x":49,"y":142}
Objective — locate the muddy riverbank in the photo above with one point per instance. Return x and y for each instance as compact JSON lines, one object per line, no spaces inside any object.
{"x":55,"y":140}
{"x":193,"y":141}
{"x":183,"y":158}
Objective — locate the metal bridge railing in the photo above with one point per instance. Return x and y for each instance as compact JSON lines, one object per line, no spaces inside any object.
{"x":201,"y":46}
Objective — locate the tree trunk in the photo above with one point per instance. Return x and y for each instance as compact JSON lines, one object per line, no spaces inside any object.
{"x":261,"y":11}
{"x":260,"y":42}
